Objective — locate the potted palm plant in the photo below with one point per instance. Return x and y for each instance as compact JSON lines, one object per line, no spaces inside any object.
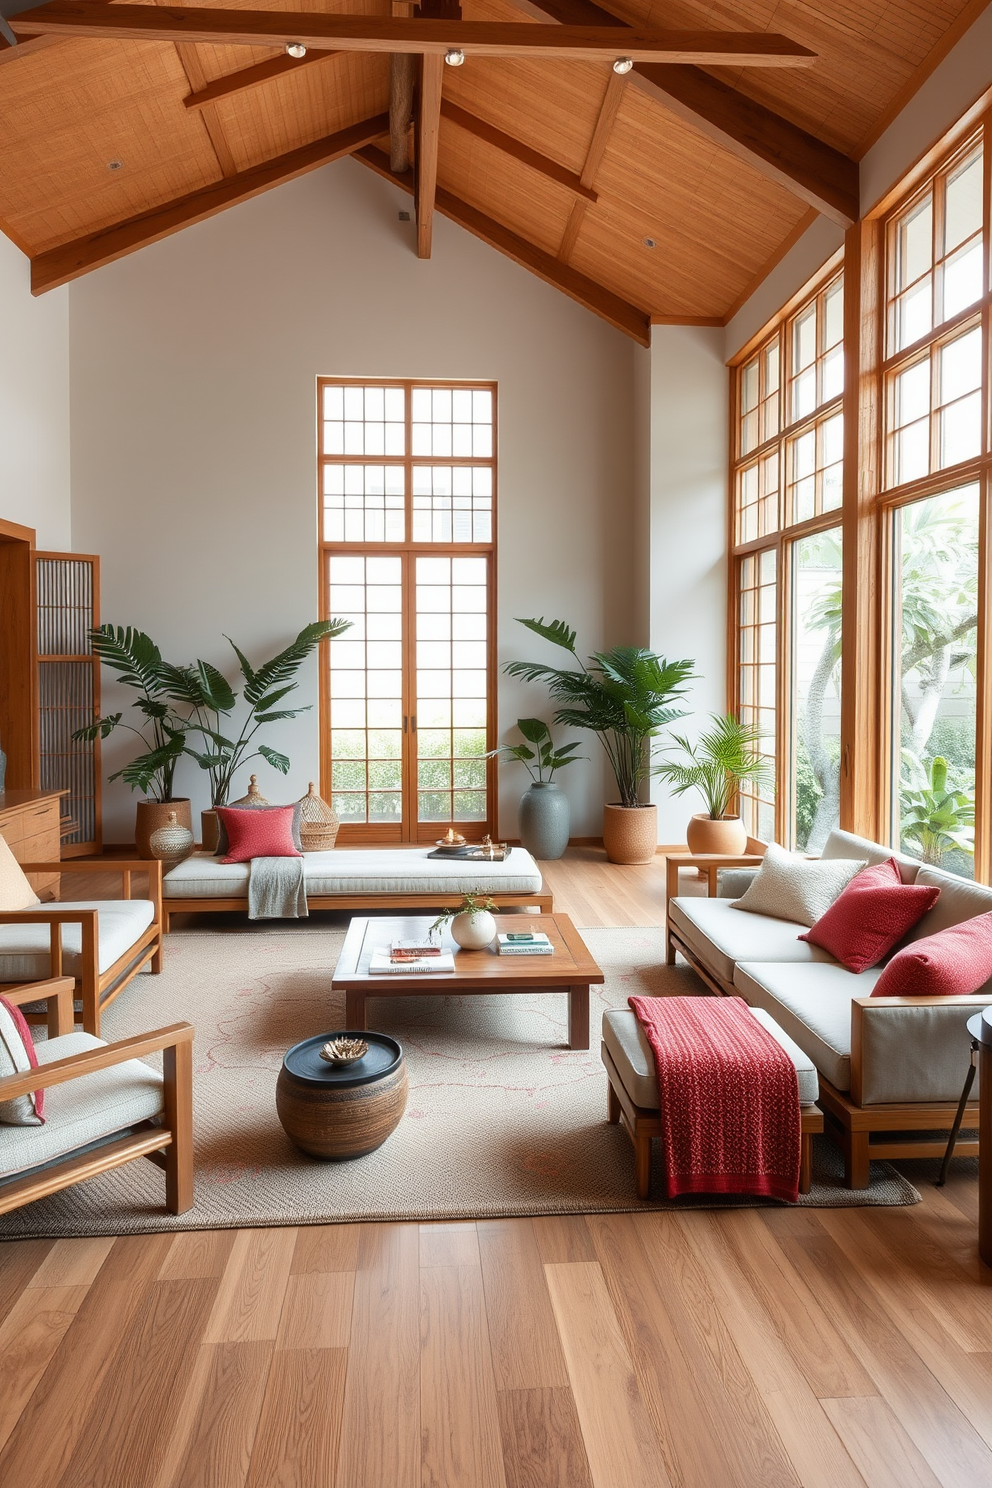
{"x":544,"y":813}
{"x":724,"y":757}
{"x":212,"y":699}
{"x":160,"y":730}
{"x":624,"y":695}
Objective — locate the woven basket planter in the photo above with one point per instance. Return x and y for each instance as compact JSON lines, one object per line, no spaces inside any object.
{"x":319,"y":825}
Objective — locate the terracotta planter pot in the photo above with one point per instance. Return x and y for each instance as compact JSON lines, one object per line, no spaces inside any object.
{"x":150,"y":815}
{"x":726,"y":836}
{"x":630,"y":833}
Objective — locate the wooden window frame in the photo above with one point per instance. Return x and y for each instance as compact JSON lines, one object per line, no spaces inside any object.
{"x":408,"y":830}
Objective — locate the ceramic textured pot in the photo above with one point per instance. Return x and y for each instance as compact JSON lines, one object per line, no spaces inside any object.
{"x":630,"y":833}
{"x":150,"y":815}
{"x":544,"y":820}
{"x":725,"y":835}
{"x":171,"y":843}
{"x":473,"y":932}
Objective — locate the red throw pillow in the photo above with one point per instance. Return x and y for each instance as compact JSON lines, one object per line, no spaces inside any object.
{"x":953,"y":963}
{"x":258,"y":834}
{"x":872,"y":915}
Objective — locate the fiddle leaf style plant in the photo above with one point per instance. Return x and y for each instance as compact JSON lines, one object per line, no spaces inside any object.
{"x":723,"y":759}
{"x":624,"y":695}
{"x":545,"y":756}
{"x":136,"y":659}
{"x":212,"y":700}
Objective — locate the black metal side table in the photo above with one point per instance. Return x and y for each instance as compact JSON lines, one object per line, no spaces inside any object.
{"x":974,"y":1028}
{"x":980,"y":1028}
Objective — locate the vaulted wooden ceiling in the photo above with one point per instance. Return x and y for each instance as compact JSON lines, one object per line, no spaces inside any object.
{"x":662,"y":194}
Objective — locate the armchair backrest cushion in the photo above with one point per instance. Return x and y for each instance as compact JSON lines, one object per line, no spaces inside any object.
{"x":15,"y":891}
{"x":17,"y":1056}
{"x":846,"y":845}
{"x":959,"y":900}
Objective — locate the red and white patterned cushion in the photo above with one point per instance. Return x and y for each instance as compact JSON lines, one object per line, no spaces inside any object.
{"x":258,"y":834}
{"x":17,"y":1056}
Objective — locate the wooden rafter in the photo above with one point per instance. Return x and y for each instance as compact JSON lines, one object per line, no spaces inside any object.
{"x":71,"y":260}
{"x":26,"y":46}
{"x":251,"y":77}
{"x":628,"y":318}
{"x":608,"y":111}
{"x":89,"y":19}
{"x":813,"y":170}
{"x":428,"y":121}
{"x":512,"y":146}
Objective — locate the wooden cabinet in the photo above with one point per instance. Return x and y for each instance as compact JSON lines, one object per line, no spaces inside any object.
{"x":29,"y":824}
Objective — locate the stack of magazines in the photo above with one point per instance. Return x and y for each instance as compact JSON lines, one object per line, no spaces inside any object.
{"x":409,"y":956}
{"x":525,"y":943}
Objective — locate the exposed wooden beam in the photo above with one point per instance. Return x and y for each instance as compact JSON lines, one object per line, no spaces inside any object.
{"x":402,"y":73}
{"x":628,"y":318}
{"x":71,"y":260}
{"x":251,"y":77}
{"x":608,"y":110}
{"x":189,"y":60}
{"x":26,"y":47}
{"x":813,"y":170}
{"x":512,"y":146}
{"x":89,"y":18}
{"x":428,"y":136}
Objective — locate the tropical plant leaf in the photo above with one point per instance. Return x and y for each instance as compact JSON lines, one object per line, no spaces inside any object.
{"x":534,"y":730}
{"x":130,"y":653}
{"x":275,"y":697}
{"x":99,"y":729}
{"x":282,"y":713}
{"x":151,"y":707}
{"x":283,"y":667}
{"x":276,"y":760}
{"x":555,"y":631}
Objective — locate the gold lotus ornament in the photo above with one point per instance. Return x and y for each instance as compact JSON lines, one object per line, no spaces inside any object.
{"x":344,"y":1050}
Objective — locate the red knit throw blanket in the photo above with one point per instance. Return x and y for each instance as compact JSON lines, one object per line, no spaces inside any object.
{"x":729,"y":1098}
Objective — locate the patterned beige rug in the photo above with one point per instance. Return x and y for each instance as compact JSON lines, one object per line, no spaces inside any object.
{"x":502,"y":1118}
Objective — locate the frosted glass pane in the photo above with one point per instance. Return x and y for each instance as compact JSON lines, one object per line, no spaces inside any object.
{"x":385,"y":775}
{"x":912,"y":452}
{"x":804,"y":454}
{"x":963,"y":203}
{"x":833,"y":374}
{"x":963,"y":279}
{"x":961,"y":430}
{"x":804,"y":394}
{"x":913,"y":393}
{"x":833,"y":315}
{"x":804,"y":340}
{"x":914,"y":316}
{"x":385,"y":743}
{"x":433,"y":654}
{"x":961,"y":366}
{"x":914,"y":243}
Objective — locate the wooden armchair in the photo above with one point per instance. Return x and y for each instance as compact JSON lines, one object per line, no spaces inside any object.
{"x":99,"y":974}
{"x":119,"y":1119}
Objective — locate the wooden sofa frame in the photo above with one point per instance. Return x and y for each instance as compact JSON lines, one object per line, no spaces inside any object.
{"x":849,"y":1123}
{"x":169,"y":1146}
{"x":543,"y":903}
{"x":96,"y":990}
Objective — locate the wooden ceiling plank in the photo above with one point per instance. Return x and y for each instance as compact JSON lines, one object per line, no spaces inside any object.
{"x":89,"y":18}
{"x":512,"y":146}
{"x":26,"y":47}
{"x":820,"y":175}
{"x":428,"y":133}
{"x":605,"y":121}
{"x":251,"y":77}
{"x":628,"y":318}
{"x":193,"y":68}
{"x":72,"y":260}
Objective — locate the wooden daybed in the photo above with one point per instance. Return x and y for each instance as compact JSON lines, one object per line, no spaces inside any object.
{"x":363,"y":879}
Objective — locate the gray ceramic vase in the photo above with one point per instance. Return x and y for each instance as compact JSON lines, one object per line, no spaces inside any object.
{"x":544,"y":820}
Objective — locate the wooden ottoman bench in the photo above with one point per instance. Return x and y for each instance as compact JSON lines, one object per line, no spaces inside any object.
{"x":404,"y":878}
{"x":632,"y":1092}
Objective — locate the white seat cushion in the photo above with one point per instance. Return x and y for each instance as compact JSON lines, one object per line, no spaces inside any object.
{"x":363,"y":871}
{"x":813,"y":1006}
{"x":24,"y":949}
{"x":721,"y":936}
{"x":631,"y":1053}
{"x":82,"y":1110}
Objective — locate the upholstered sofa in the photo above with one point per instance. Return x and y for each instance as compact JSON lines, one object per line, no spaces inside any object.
{"x":890,"y":1069}
{"x":363,"y":878}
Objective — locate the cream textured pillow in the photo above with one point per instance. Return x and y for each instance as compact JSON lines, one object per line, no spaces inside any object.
{"x":790,"y":887}
{"x":15,"y":891}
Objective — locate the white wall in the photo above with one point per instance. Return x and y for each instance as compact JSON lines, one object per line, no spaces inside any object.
{"x":193,"y":439}
{"x":688,"y":524}
{"x":34,"y":403}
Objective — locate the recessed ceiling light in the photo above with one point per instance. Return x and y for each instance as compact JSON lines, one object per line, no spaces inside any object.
{"x":296,"y":49}
{"x":650,"y":243}
{"x":454,"y":56}
{"x":623,"y":64}
{"x":115,"y":165}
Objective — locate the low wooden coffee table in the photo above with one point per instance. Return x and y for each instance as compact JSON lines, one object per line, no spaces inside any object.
{"x":477,"y":973}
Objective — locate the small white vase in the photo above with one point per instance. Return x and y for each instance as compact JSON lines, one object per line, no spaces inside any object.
{"x":473,"y":932}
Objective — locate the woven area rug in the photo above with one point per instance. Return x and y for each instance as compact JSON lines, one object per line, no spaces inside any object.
{"x":502,"y":1118}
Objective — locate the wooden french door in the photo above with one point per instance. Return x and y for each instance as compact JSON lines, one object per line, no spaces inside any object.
{"x":408,"y":691}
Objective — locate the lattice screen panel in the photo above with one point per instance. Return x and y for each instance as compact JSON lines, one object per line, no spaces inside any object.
{"x":68,"y":691}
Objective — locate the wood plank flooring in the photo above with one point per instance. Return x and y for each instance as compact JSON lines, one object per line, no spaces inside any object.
{"x":845,"y":1348}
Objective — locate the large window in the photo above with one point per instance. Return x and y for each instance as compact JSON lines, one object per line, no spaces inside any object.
{"x":788,"y":488}
{"x":407,"y":513}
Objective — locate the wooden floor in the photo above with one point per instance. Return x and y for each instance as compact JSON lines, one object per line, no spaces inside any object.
{"x":847,"y":1348}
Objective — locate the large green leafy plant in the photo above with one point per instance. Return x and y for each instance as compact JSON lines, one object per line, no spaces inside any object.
{"x":935,"y":815}
{"x":546,"y":754}
{"x":624,"y":695}
{"x":161,"y":731}
{"x":723,"y":758}
{"x":212,"y":700}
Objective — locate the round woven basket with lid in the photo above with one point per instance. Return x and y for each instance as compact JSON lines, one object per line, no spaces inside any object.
{"x":318,"y":823}
{"x":254,"y":796}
